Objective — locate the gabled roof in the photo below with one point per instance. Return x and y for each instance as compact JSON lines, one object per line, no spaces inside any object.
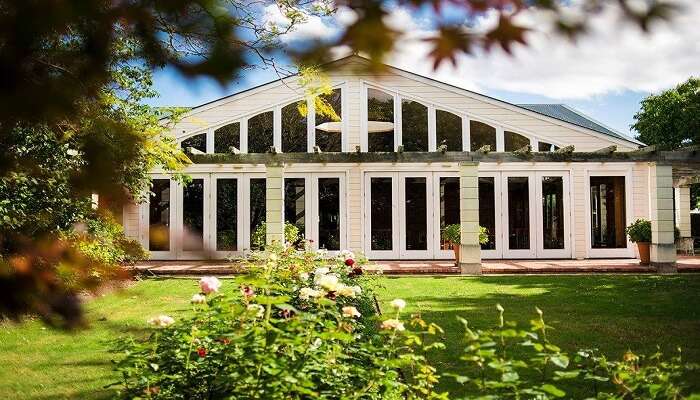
{"x":568,"y":114}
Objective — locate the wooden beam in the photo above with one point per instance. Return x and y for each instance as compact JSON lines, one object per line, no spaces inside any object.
{"x":607,"y":150}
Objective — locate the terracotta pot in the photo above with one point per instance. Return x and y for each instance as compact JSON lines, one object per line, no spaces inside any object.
{"x":644,"y":256}
{"x":455,"y":247}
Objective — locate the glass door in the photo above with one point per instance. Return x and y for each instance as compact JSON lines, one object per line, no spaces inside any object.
{"x":158,"y":230}
{"x":446,"y":211}
{"x":416,"y":215}
{"x":192,"y":221}
{"x":553,"y":240}
{"x":381,"y":215}
{"x":327,"y":207}
{"x":490,"y":213}
{"x":518,"y":214}
{"x":226,"y":222}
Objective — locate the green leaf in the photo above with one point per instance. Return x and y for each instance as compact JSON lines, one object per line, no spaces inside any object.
{"x":560,"y":360}
{"x":510,"y":377}
{"x":553,"y":390}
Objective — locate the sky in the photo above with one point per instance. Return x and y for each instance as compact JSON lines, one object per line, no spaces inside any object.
{"x":604,"y":74}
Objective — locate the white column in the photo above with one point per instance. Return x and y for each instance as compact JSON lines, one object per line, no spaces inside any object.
{"x":683,"y":210}
{"x":469,"y":250}
{"x":274,"y":204}
{"x":663,"y":248}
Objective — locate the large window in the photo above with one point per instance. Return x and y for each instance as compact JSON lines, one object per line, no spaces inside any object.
{"x":329,"y":213}
{"x":226,"y":214}
{"x":294,"y":127}
{"x":381,"y":234}
{"x":481,"y":135}
{"x":414,"y":126}
{"x":295,"y":203}
{"x":487,"y":210}
{"x":329,"y":130}
{"x":449,"y":206}
{"x":448,"y":130}
{"x":159,"y":216}
{"x":260,"y":133}
{"x":552,"y":212}
{"x":227,"y":137}
{"x":513,"y":141}
{"x":198,"y":142}
{"x":193,"y":216}
{"x":608,"y":212}
{"x":257,"y":215}
{"x":546,"y":147}
{"x":380,"y":121}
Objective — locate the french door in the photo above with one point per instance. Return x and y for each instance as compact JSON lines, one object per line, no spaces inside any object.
{"x":399,"y":215}
{"x":527,"y":214}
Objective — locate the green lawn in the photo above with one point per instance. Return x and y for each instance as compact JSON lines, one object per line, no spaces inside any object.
{"x":613,"y":313}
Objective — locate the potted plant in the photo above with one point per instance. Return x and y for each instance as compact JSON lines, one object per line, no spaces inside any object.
{"x":640,"y":232}
{"x":452,"y":234}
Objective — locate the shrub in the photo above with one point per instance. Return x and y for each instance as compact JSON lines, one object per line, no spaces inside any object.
{"x":298,"y":326}
{"x":452,"y":233}
{"x":291,"y":235}
{"x":639,"y":231}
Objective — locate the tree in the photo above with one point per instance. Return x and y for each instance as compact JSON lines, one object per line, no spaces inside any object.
{"x":671,"y":119}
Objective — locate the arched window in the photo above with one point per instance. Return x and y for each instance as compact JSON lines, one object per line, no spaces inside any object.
{"x":546,"y":147}
{"x":260,"y":133}
{"x":481,"y":135}
{"x":198,"y":142}
{"x":448,"y":130}
{"x":294,"y":127}
{"x":227,"y":137}
{"x":414,"y":126}
{"x":329,"y":132}
{"x":513,"y":141}
{"x":380,"y":121}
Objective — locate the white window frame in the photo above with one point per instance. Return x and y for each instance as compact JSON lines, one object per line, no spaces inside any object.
{"x":144,"y":224}
{"x":629,"y":211}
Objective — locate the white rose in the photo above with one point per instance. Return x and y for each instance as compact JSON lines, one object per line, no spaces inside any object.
{"x":321,"y":271}
{"x":304,"y":276}
{"x":329,"y":282}
{"x":198,"y":299}
{"x":357,"y":289}
{"x":346,"y":291}
{"x":398,"y":304}
{"x":257,"y":309}
{"x":161,"y":321}
{"x":351,"y":312}
{"x":306,"y":292}
{"x":394,"y":324}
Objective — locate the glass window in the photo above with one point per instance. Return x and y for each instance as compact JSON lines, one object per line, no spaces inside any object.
{"x":226,"y":137}
{"x":416,"y":213}
{"x":193,"y":216}
{"x":258,"y":196}
{"x":518,"y":213}
{"x":608,"y":218}
{"x":487,"y":209}
{"x":329,"y":126}
{"x":226,"y":214}
{"x":381,"y":214}
{"x":159,"y":216}
{"x":553,"y":212}
{"x":546,"y":147}
{"x":198,"y":142}
{"x":260,"y":133}
{"x":294,"y":127}
{"x":514,"y":141}
{"x":448,"y":130}
{"x":329,"y":213}
{"x":481,"y":135}
{"x":414,"y":126}
{"x":449,"y":206}
{"x":295,"y":203}
{"x":380,"y":121}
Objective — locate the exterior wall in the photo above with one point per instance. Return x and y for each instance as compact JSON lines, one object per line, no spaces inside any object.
{"x":130,"y":220}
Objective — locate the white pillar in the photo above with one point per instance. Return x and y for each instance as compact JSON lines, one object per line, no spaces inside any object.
{"x":469,"y":249}
{"x":683,"y":210}
{"x":274,"y":204}
{"x":663,"y":247}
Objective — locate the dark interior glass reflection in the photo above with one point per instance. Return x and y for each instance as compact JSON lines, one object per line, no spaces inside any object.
{"x":380,"y":113}
{"x":414,"y":126}
{"x":198,"y":142}
{"x":448,"y":130}
{"x":330,"y":140}
{"x":481,"y":135}
{"x":553,"y":212}
{"x":608,"y":218}
{"x":449,"y":206}
{"x":295,"y":203}
{"x":193,"y":216}
{"x":381,"y":214}
{"x":226,"y":214}
{"x":226,"y":137}
{"x":487,"y":210}
{"x":416,"y":213}
{"x":513,"y":141}
{"x":546,"y":147}
{"x":294,"y":128}
{"x":260,"y":133}
{"x":258,"y":196}
{"x":159,"y":216}
{"x":329,"y":213}
{"x":518,"y":213}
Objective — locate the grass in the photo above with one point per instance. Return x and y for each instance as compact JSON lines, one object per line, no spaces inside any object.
{"x":613,"y":313}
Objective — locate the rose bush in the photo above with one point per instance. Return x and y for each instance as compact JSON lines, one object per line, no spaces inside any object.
{"x":301,"y":324}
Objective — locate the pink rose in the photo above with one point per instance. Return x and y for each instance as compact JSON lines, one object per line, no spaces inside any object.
{"x":209,"y":284}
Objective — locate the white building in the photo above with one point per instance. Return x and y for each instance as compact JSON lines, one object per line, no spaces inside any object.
{"x":406,"y":159}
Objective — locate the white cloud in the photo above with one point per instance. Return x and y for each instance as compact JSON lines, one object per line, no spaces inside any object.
{"x":614,"y":56}
{"x":313,"y":28}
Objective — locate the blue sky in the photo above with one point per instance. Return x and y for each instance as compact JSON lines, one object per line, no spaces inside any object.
{"x":615,"y":110}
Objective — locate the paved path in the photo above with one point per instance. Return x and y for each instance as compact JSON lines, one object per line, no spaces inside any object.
{"x":515,"y":267}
